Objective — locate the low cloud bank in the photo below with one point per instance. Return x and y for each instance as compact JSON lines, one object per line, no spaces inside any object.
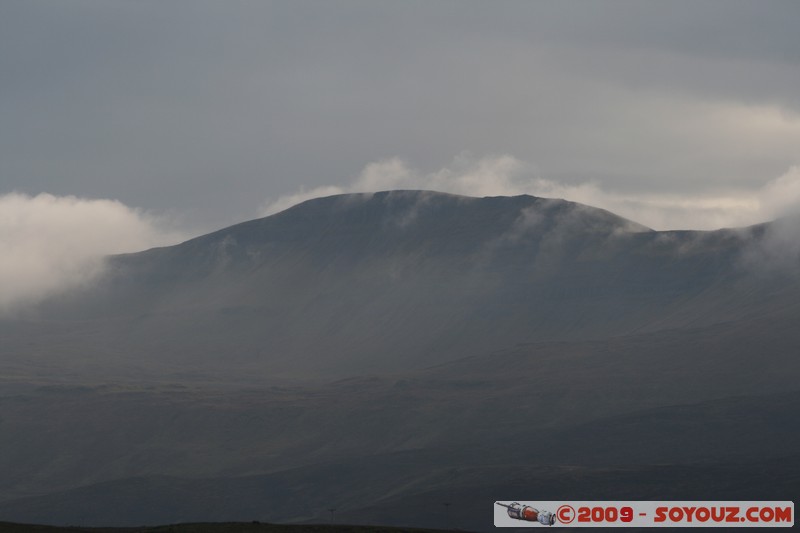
{"x":50,"y":243}
{"x":505,"y":175}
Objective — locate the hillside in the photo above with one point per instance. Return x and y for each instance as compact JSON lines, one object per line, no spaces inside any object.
{"x":384,"y":354}
{"x":358,"y":284}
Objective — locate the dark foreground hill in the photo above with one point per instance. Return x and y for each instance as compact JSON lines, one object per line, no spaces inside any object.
{"x":653,"y":416}
{"x":233,"y":527}
{"x":469,"y":491}
{"x":386,"y":354}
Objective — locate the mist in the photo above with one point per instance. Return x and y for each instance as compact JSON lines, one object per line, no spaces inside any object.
{"x":506,"y":175}
{"x":50,"y":243}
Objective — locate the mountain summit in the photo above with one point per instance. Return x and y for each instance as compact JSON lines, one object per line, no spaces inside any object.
{"x":397,"y":280}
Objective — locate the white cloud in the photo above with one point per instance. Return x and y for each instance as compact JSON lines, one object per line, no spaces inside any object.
{"x":505,"y":175}
{"x":489,"y":176}
{"x":782,"y":196}
{"x":48,"y":243}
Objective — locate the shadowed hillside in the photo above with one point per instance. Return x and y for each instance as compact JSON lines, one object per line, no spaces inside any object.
{"x":237,"y":527}
{"x":385,"y":354}
{"x":359,"y":284}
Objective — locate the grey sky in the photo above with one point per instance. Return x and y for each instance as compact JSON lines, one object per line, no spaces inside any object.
{"x":210,"y":110}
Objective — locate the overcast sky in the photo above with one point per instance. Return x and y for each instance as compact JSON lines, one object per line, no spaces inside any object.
{"x":681,"y":114}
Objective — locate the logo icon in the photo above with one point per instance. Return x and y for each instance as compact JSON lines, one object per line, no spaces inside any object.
{"x":529,"y":514}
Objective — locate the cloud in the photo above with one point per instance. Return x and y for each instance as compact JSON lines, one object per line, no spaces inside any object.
{"x":505,"y":175}
{"x":781,"y":197}
{"x":50,"y":243}
{"x":777,"y":250}
{"x":489,"y":176}
{"x":173,"y":96}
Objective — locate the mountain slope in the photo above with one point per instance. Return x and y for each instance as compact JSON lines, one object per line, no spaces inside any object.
{"x":392,"y":281}
{"x":387,"y":353}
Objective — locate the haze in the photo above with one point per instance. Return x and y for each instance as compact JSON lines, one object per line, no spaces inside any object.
{"x":192,"y":115}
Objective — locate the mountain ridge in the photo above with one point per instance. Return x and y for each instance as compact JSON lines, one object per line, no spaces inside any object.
{"x":360,"y":283}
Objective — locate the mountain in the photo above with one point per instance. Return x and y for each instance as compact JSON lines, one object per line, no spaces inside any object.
{"x":385,"y":353}
{"x":373,"y":283}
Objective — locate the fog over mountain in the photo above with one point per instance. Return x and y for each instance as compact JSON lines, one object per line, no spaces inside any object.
{"x":383,"y":353}
{"x":51,"y":243}
{"x":362,"y":283}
